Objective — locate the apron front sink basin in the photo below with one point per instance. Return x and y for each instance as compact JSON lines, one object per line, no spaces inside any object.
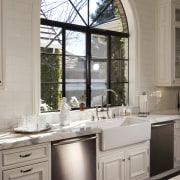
{"x":122,"y":132}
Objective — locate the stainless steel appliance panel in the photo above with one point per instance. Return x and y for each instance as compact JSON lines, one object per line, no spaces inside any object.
{"x":161,"y":147}
{"x":74,"y":159}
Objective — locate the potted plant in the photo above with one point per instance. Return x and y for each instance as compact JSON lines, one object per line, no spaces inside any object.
{"x":82,"y":103}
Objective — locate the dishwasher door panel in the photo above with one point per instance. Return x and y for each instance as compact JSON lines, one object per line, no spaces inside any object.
{"x":161,"y":148}
{"x":74,"y":160}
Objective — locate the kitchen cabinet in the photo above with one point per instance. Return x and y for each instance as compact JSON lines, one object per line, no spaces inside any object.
{"x":37,"y":171}
{"x":168,"y":43}
{"x":1,"y":45}
{"x":29,"y":162}
{"x":176,"y":144}
{"x":125,"y":163}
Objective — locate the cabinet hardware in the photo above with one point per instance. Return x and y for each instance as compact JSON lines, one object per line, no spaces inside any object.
{"x":123,"y":160}
{"x":25,"y":171}
{"x":25,"y":155}
{"x":129,"y":158}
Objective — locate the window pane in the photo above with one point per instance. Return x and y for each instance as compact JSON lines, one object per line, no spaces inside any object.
{"x":51,"y":93}
{"x":98,"y":46}
{"x":50,"y":36}
{"x":63,"y":11}
{"x":119,"y":71}
{"x":51,"y":78}
{"x":119,"y":48}
{"x":75,"y":66}
{"x":108,"y":15}
{"x":74,"y":90}
{"x":98,"y":81}
{"x":75,"y":43}
{"x":122,"y":90}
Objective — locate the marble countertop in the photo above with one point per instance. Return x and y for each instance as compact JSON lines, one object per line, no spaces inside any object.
{"x":11,"y":139}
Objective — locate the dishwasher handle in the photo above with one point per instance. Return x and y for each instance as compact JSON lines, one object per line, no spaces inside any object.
{"x":162,"y":124}
{"x":74,"y":140}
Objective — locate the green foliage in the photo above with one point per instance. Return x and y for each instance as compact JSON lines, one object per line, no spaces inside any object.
{"x":109,"y":13}
{"x":51,"y":73}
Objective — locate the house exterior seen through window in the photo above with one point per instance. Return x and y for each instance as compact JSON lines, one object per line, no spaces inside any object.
{"x":84,"y":51}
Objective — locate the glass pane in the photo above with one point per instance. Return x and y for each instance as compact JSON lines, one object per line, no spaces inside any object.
{"x":51,"y":76}
{"x":122,"y":90}
{"x":108,"y":15}
{"x":119,"y":48}
{"x":75,"y":69}
{"x":98,"y":46}
{"x":98,"y":70}
{"x":98,"y":81}
{"x":51,"y":93}
{"x":50,"y":37}
{"x":51,"y":66}
{"x":74,"y":92}
{"x":177,"y":14}
{"x":97,"y":90}
{"x":63,"y":11}
{"x":177,"y":66}
{"x":75,"y":43}
{"x":119,"y":71}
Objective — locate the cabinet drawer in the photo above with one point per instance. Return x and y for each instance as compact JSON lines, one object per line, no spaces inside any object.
{"x":36,"y":172}
{"x":24,"y":154}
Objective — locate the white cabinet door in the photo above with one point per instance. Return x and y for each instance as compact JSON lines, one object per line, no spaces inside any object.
{"x":137,"y":164}
{"x":168,"y":42}
{"x":112,"y":167}
{"x":32,"y":172}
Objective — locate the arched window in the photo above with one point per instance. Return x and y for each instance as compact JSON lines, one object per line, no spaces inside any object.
{"x":84,"y":51}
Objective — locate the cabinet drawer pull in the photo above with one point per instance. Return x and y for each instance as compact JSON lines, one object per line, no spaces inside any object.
{"x":25,"y":171}
{"x":129,"y":158}
{"x":123,"y":160}
{"x":25,"y":155}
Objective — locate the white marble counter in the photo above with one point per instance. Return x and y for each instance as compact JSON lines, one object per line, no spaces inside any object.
{"x":155,"y":118}
{"x":10,"y":139}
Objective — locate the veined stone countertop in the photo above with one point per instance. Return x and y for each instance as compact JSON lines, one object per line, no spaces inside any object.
{"x":11,"y":139}
{"x":155,"y":118}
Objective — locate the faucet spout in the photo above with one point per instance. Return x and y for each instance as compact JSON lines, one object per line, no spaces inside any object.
{"x":105,"y":92}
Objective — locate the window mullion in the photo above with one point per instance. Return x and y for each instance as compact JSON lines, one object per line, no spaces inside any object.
{"x":88,"y":68}
{"x":109,"y":66}
{"x":63,"y":62}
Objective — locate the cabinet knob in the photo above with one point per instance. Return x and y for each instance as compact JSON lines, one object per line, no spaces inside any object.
{"x":129,"y":158}
{"x":123,"y":160}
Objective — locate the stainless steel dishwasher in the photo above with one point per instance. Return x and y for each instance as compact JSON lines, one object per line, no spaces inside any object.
{"x":161,"y":147}
{"x":74,"y":159}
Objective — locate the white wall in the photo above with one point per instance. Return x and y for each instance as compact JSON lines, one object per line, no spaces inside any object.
{"x":21,"y":18}
{"x":142,"y":25}
{"x":17,"y":96}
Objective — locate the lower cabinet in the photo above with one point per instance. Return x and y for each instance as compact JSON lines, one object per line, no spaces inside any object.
{"x":26,"y":163}
{"x":37,"y":171}
{"x":129,"y":163}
